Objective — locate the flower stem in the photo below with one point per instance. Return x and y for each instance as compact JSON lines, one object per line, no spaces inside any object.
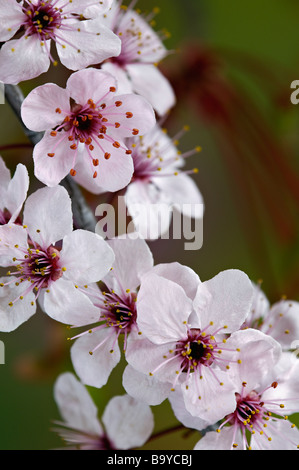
{"x":83,"y":215}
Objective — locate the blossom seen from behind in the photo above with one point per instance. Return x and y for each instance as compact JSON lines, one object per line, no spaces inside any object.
{"x":126,"y":423}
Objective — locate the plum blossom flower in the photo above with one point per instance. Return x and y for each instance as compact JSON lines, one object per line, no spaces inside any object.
{"x":49,"y":262}
{"x":85,"y":127}
{"x":266,"y":394}
{"x":13,"y":192}
{"x":96,"y":351}
{"x":79,"y":41}
{"x":280,"y":320}
{"x":159,"y":183}
{"x":136,"y":67}
{"x":185,"y":338}
{"x":126,"y":422}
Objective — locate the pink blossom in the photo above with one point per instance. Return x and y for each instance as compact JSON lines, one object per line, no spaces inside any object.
{"x":280,"y":320}
{"x":266,"y":395}
{"x":85,"y":124}
{"x":96,"y":351}
{"x":136,"y":67}
{"x":41,"y":22}
{"x":49,"y":262}
{"x":185,"y":339}
{"x":127,"y":423}
{"x":13,"y":192}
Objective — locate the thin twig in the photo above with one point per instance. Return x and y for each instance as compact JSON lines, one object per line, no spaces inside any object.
{"x":83,"y":215}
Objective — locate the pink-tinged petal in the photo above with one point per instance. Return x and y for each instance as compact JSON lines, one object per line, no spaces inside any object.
{"x":284,"y":322}
{"x":148,"y":81}
{"x":90,"y":42}
{"x":183,"y":193}
{"x":80,"y":6}
{"x":94,"y":369}
{"x":40,"y":108}
{"x":86,"y":256}
{"x":283,"y":437}
{"x":76,"y":405}
{"x":135,"y":114}
{"x":17,"y":191}
{"x":178,"y":406}
{"x":220,"y":441}
{"x":258,"y":353}
{"x":113,"y":173}
{"x":149,"y":358}
{"x":148,"y":46}
{"x":53,"y":158}
{"x":286,"y":370}
{"x":144,"y":387}
{"x":128,"y":422}
{"x":225,"y":299}
{"x":133,"y":258}
{"x":23,"y":59}
{"x":149,"y":208}
{"x":67,"y":304}
{"x":11,"y":317}
{"x":124,"y":85}
{"x":13,"y":240}
{"x":163,"y":309}
{"x":48,"y":215}
{"x":90,"y":84}
{"x":182,"y":275}
{"x":11,"y":18}
{"x":205,"y":398}
{"x":93,"y":11}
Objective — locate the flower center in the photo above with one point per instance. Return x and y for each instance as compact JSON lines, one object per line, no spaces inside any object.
{"x":38,"y":266}
{"x":199,"y":349}
{"x":120,"y":312}
{"x":43,"y":19}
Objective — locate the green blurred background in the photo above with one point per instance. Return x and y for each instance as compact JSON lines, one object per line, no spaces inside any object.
{"x":231,"y":68}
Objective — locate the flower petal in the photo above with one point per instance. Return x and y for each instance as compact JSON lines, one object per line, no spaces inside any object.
{"x":129,"y":423}
{"x":11,"y":317}
{"x":182,"y":275}
{"x":95,"y":369}
{"x":163,"y":309}
{"x":225,"y":299}
{"x":11,"y":18}
{"x":65,"y":303}
{"x":50,"y":170}
{"x":148,"y":81}
{"x":48,"y":215}
{"x":183,"y":193}
{"x":90,"y":42}
{"x":13,"y":242}
{"x":144,"y":387}
{"x":23,"y":59}
{"x":17,"y":191}
{"x":220,"y":441}
{"x":90,"y":83}
{"x":40,"y":107}
{"x":133,"y":258}
{"x":76,"y":405}
{"x":86,"y":256}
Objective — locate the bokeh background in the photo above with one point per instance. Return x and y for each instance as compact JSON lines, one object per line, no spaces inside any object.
{"x":231,"y":65}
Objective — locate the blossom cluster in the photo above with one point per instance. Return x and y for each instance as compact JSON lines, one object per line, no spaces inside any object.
{"x":216,"y":349}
